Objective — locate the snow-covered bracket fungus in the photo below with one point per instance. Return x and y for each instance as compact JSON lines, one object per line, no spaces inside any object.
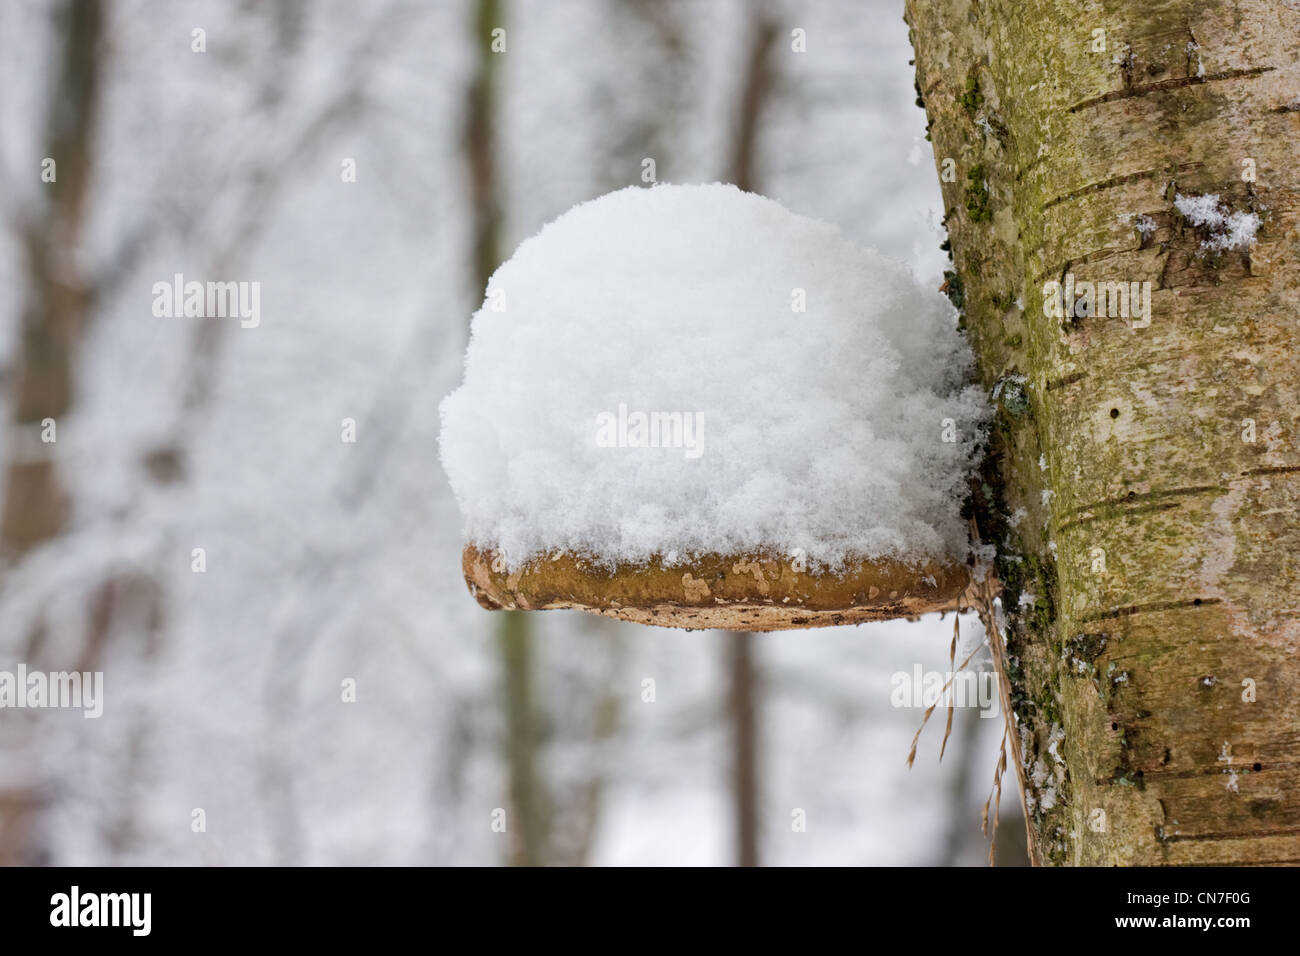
{"x":688,"y":406}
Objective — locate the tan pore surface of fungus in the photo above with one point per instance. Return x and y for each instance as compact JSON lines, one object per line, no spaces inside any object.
{"x":751,"y":592}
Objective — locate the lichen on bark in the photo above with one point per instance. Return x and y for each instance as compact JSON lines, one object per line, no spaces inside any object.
{"x":1146,"y":534}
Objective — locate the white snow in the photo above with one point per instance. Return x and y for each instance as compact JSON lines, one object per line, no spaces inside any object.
{"x":1228,"y":229}
{"x":1039,"y":773}
{"x":1144,"y":224}
{"x":1055,"y":737}
{"x":821,"y":429}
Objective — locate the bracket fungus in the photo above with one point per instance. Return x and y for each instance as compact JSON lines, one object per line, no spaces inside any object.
{"x":690,"y":407}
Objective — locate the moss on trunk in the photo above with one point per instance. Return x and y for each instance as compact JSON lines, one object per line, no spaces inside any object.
{"x":1143,"y":484}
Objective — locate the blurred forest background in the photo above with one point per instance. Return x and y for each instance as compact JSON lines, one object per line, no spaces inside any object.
{"x":328,"y":561}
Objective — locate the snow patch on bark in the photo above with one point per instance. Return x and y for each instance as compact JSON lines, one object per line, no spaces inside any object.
{"x":1228,"y":229}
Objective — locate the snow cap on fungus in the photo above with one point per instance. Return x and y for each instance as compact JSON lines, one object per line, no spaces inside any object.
{"x":677,"y":380}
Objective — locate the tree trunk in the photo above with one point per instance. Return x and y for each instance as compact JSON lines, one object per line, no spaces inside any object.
{"x":528,"y":819}
{"x":742,"y":707}
{"x":1144,"y":479}
{"x":53,"y":312}
{"x":745,"y":691}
